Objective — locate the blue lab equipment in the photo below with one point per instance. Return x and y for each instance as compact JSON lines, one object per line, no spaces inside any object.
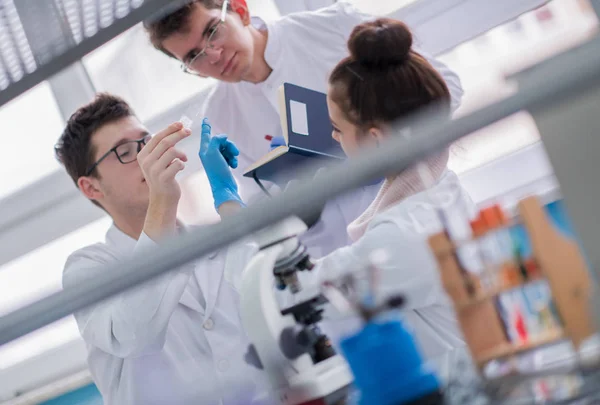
{"x":388,"y":368}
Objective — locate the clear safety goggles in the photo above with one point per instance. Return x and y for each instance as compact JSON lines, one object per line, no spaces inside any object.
{"x":216,"y":37}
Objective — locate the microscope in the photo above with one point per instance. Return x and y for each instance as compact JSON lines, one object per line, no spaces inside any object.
{"x":381,"y":361}
{"x":297,"y":358}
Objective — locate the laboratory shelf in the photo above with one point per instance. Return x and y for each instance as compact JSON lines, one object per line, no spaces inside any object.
{"x":483,"y":295}
{"x":510,"y":349}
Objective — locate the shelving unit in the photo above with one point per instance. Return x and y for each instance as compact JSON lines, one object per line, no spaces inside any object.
{"x":510,"y":349}
{"x":481,"y":296}
{"x":559,"y":262}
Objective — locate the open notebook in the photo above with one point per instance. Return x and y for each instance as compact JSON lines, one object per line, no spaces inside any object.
{"x":307,"y":133}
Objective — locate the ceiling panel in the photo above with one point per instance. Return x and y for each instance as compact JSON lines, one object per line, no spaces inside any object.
{"x":38,"y":38}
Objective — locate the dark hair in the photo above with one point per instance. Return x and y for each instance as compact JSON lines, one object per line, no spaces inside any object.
{"x":74,"y":147}
{"x":163,"y":26}
{"x":383,"y":79}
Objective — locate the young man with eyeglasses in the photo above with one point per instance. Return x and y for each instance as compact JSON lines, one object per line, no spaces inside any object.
{"x":251,"y":59}
{"x":177,"y":339}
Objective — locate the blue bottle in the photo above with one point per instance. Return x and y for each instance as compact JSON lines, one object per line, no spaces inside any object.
{"x":388,"y":368}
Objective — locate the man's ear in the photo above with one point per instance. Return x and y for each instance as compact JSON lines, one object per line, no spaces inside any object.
{"x":90,"y":188}
{"x":241,"y":8}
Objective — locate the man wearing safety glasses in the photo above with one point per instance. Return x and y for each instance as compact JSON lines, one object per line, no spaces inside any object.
{"x":177,"y":339}
{"x":252,"y":59}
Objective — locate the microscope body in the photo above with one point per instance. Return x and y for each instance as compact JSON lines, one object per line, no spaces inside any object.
{"x":300,"y":366}
{"x":297,"y":359}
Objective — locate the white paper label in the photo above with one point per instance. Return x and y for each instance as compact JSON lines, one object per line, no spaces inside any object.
{"x":299,"y":118}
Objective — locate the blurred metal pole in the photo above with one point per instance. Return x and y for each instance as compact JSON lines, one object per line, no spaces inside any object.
{"x":596,"y":6}
{"x":558,"y":79}
{"x":570,"y":132}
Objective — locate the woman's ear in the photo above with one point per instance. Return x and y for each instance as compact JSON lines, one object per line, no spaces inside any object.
{"x":376,"y":135}
{"x":241,"y":8}
{"x":90,"y":188}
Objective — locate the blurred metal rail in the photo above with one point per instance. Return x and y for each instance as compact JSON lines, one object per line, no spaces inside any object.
{"x":572,"y":73}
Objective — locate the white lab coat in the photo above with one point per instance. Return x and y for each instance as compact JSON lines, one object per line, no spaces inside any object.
{"x":302,"y":49}
{"x":175,"y":340}
{"x":410,"y":270}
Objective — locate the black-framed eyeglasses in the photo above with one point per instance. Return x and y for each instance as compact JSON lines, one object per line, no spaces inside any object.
{"x":215,"y":37}
{"x":126,"y":152}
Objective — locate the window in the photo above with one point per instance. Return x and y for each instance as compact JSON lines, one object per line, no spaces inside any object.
{"x":30,"y":126}
{"x":34,"y":276}
{"x":131,"y":68}
{"x":152,"y":82}
{"x":485,"y":63}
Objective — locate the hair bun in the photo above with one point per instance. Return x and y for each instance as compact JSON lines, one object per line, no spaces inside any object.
{"x":381,"y":43}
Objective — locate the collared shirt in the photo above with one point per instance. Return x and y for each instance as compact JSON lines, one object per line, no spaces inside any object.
{"x":302,"y":49}
{"x":176,"y":339}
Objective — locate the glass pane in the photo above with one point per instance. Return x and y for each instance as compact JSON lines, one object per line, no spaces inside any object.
{"x":34,"y":276}
{"x":485,"y":62}
{"x":30,"y":126}
{"x":152,"y":82}
{"x":131,"y":68}
{"x":380,"y":7}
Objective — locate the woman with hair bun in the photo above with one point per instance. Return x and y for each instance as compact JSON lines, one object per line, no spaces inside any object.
{"x":381,"y":81}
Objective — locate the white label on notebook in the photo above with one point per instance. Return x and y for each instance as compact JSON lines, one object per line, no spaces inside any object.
{"x":299,"y":118}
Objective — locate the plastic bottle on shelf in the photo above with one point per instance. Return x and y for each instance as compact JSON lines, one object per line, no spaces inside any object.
{"x":497,"y":222}
{"x":513,"y":317}
{"x":541,"y":316}
{"x":530,"y":310}
{"x":541,"y":295}
{"x":487,"y":274}
{"x":453,"y":218}
{"x":543,"y":319}
{"x":531,"y":314}
{"x":496,"y":247}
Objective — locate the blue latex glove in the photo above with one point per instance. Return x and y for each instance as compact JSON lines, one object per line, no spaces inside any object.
{"x":218,"y":154}
{"x":277,"y":141}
